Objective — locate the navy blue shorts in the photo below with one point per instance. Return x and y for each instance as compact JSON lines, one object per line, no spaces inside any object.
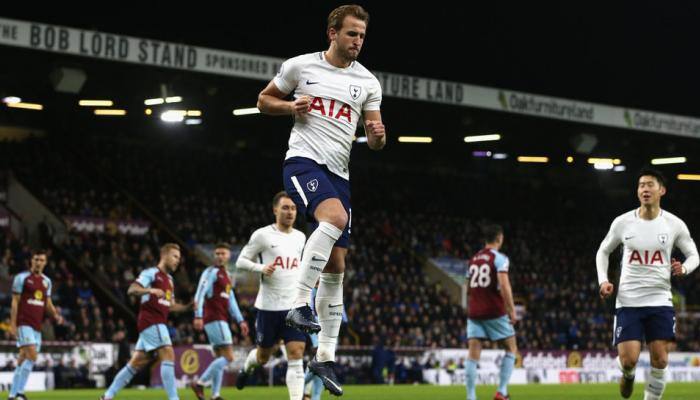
{"x":270,"y":327}
{"x":644,"y":323}
{"x":309,"y":183}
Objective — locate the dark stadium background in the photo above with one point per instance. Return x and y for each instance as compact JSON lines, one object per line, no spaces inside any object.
{"x":639,"y":55}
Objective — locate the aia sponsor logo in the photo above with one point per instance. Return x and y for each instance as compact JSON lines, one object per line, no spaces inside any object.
{"x":646,"y":257}
{"x":331,"y":109}
{"x":286,"y":262}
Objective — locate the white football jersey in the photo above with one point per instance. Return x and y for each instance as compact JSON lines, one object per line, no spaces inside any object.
{"x":645,"y":279}
{"x":339,"y":96}
{"x":269,"y":245}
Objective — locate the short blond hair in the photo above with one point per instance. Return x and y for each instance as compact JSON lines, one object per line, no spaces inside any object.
{"x":168,"y":247}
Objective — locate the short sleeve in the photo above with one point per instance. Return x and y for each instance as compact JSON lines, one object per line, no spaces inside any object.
{"x":146,"y":277}
{"x":287,"y":78}
{"x":374,"y":98}
{"x":18,"y":284}
{"x":501,"y":262}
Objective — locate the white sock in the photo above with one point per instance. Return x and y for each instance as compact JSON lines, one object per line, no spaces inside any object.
{"x":251,"y":361}
{"x":295,"y":379}
{"x":628,"y":373}
{"x":313,"y":261}
{"x":656,"y":384}
{"x":329,"y":306}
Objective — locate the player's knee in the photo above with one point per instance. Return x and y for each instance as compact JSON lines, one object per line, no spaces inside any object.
{"x":512,"y":348}
{"x":629,"y":366}
{"x":628,"y":363}
{"x":263,"y":357}
{"x":31,"y":354}
{"x":659,"y":361}
{"x":339,"y":219}
{"x":138,"y":363}
{"x":332,"y":212}
{"x":228,"y":357}
{"x":295,"y":353}
{"x":166,"y":354}
{"x":135,"y":365}
{"x":227,"y":353}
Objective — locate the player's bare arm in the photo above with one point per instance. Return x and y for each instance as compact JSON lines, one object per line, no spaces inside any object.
{"x":198,"y":322}
{"x":507,"y":295}
{"x":271,"y":101}
{"x":245,"y":329}
{"x":611,"y":241}
{"x":687,"y":246}
{"x":179,"y":307}
{"x":54,"y":312}
{"x":137,"y":290}
{"x":13,"y":314}
{"x":374,"y":130}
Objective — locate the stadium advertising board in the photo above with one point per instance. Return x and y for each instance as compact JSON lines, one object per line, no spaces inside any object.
{"x":102,"y":225}
{"x":148,"y":52}
{"x":191,"y":362}
{"x":558,"y":367}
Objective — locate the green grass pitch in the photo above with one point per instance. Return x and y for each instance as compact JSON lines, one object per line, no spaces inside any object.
{"x":675,"y":391}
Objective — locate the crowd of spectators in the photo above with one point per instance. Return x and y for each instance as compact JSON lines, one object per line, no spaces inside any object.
{"x":552,"y":232}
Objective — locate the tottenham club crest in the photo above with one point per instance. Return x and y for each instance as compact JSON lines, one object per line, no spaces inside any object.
{"x":312,"y":185}
{"x":618,"y":331}
{"x":663,"y":238}
{"x":355,"y":91}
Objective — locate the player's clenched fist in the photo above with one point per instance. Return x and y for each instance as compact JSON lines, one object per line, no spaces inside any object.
{"x":375,"y":128}
{"x":606,"y":289}
{"x":269,"y":269}
{"x":301,"y":105}
{"x":677,"y":269}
